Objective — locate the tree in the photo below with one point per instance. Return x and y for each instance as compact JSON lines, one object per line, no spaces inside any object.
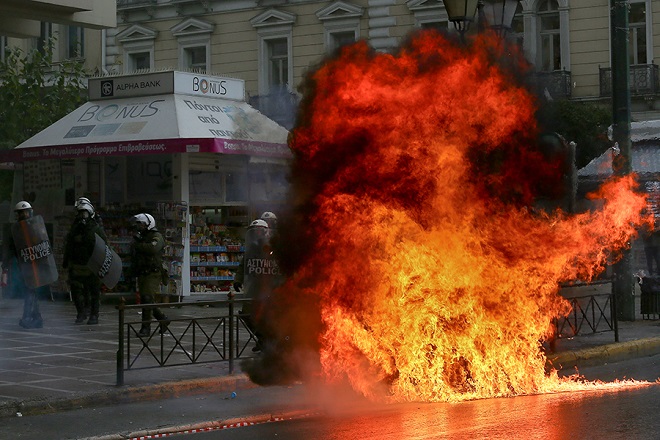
{"x":34,"y":93}
{"x":584,"y":123}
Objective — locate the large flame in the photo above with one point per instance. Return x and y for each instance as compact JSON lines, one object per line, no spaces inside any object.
{"x":416,"y":176}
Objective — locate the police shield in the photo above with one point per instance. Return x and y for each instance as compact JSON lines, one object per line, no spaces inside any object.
{"x":105,"y":263}
{"x":34,"y":252}
{"x":261,"y":269}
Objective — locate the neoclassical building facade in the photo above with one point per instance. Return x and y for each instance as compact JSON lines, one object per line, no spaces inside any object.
{"x":271,"y":44}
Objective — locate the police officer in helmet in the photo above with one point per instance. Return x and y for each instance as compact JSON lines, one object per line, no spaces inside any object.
{"x":23,"y":211}
{"x":270,"y":218}
{"x":31,"y":314}
{"x":254,"y":274}
{"x":147,"y":266}
{"x":85,"y":285}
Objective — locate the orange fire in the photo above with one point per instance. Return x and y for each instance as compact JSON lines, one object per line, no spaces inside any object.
{"x":417,"y":174}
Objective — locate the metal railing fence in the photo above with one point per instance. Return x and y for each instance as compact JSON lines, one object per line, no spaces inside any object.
{"x":216,"y":337}
{"x":589,"y":314}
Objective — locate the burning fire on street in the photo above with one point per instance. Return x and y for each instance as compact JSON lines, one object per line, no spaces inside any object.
{"x":416,"y":179}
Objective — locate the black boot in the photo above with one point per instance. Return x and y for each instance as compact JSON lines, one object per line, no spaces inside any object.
{"x":94,"y":312}
{"x":31,"y":316}
{"x":78,"y":298}
{"x":80,"y":313}
{"x":145,"y":330}
{"x":164,"y":324}
{"x":257,"y":347}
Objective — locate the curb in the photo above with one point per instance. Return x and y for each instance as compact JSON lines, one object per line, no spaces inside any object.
{"x":120,"y":395}
{"x":605,"y":354}
{"x":214,"y":425}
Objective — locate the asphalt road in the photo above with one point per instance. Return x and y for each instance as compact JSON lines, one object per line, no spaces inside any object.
{"x":630,"y":414}
{"x":309,"y":414}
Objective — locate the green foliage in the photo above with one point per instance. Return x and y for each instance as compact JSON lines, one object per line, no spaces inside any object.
{"x":34,"y":93}
{"x":584,"y":123}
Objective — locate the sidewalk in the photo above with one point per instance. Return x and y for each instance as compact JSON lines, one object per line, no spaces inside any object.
{"x":636,"y":338}
{"x":65,"y":366}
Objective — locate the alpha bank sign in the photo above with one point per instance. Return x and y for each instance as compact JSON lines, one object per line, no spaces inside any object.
{"x":160,"y":83}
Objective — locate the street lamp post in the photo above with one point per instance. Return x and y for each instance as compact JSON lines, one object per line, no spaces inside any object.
{"x":499,"y":15}
{"x":461,"y":13}
{"x":623,"y":285}
{"x":496,"y":13}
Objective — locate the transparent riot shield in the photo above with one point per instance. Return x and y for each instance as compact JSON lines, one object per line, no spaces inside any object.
{"x":105,"y":262}
{"x":34,"y":252}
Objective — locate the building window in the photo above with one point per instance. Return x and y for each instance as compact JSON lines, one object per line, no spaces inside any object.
{"x":45,"y":34}
{"x":139,"y":61}
{"x":339,"y":39}
{"x":543,"y":29}
{"x":75,"y":42}
{"x":518,"y":27}
{"x":195,"y":58}
{"x":138,"y":45}
{"x":341,"y":23}
{"x":550,"y":36}
{"x":429,"y":14}
{"x":278,"y":62}
{"x":637,"y":48}
{"x":194,"y":38}
{"x":275,"y":34}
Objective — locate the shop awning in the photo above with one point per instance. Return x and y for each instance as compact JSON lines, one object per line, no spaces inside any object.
{"x":157,"y":124}
{"x":644,"y":160}
{"x":644,"y":153}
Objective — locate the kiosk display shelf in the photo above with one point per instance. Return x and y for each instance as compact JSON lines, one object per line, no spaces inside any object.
{"x":171,"y":219}
{"x":216,"y":248}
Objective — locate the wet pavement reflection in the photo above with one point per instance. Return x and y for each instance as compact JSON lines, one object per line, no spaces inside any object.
{"x":627,"y":413}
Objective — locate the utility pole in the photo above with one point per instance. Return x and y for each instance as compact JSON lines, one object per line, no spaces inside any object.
{"x":623,"y":286}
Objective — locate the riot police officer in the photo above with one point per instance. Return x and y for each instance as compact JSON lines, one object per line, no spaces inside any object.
{"x":147,"y":266}
{"x":259,"y":272}
{"x":85,"y":285}
{"x":271,"y":219}
{"x":32,"y":248}
{"x":95,"y":215}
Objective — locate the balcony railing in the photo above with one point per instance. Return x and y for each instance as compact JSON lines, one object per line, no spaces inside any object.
{"x":557,"y":84}
{"x":643,"y":80}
